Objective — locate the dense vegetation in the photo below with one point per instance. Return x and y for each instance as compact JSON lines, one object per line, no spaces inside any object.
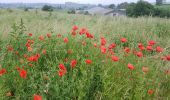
{"x":77,"y":57}
{"x":143,"y":8}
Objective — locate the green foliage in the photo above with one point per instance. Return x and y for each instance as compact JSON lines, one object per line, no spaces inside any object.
{"x":112,"y":6}
{"x":71,"y":11}
{"x":123,"y":5}
{"x":142,"y":8}
{"x":47,"y":8}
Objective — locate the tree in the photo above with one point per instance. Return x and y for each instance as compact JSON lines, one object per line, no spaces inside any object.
{"x":47,"y":8}
{"x":112,"y":6}
{"x":159,"y":2}
{"x":123,"y":5}
{"x":142,"y":8}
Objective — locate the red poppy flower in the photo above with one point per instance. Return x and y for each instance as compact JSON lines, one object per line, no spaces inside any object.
{"x":145,"y":69}
{"x":103,"y":49}
{"x":139,"y":54}
{"x":168,"y":57}
{"x":30,"y":34}
{"x":111,"y":46}
{"x":62,"y":70}
{"x":103,"y":41}
{"x":10,"y":48}
{"x":149,"y":48}
{"x":88,"y":35}
{"x":23,"y":73}
{"x":82,"y":31}
{"x":159,"y":49}
{"x":75,"y":28}
{"x":115,"y":58}
{"x":41,"y":37}
{"x":29,"y":48}
{"x":37,"y":97}
{"x":131,"y":67}
{"x":66,"y":40}
{"x":95,"y":45}
{"x":151,"y":42}
{"x":2,"y":71}
{"x":73,"y":33}
{"x":83,"y":43}
{"x":73,"y":63}
{"x":141,"y":47}
{"x":123,"y":40}
{"x":88,"y":61}
{"x":150,"y":91}
{"x":48,"y":35}
{"x":127,"y":50}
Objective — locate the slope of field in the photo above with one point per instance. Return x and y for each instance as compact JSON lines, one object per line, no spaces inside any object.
{"x":59,"y":56}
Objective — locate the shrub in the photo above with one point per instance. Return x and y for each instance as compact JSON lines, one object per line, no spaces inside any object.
{"x":47,"y":8}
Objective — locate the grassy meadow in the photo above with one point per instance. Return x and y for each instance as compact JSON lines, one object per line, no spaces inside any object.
{"x":62,"y":56}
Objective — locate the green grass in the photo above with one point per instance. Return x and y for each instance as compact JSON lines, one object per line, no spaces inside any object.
{"x":101,"y":80}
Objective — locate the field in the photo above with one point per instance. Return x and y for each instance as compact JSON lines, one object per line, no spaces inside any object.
{"x":60,"y":56}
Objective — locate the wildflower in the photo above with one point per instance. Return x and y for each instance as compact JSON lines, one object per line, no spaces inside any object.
{"x":75,"y":28}
{"x":103,"y":41}
{"x":123,"y":40}
{"x":151,"y":42}
{"x":73,"y":33}
{"x":2,"y":71}
{"x":127,"y":50}
{"x":62,"y":70}
{"x":29,"y":48}
{"x":159,"y":49}
{"x":88,"y":35}
{"x":150,"y":91}
{"x":139,"y":54}
{"x":23,"y":73}
{"x":83,"y":43}
{"x":131,"y":67}
{"x":88,"y":61}
{"x":37,"y":97}
{"x":73,"y":63}
{"x":82,"y":31}
{"x":149,"y":48}
{"x":48,"y":35}
{"x":115,"y":58}
{"x":66,"y":40}
{"x":30,"y":34}
{"x":41,"y":37}
{"x":168,"y":57}
{"x":103,"y":49}
{"x":145,"y":69}
{"x":111,"y":46}
{"x":141,"y":47}
{"x":10,"y":48}
{"x":94,"y":44}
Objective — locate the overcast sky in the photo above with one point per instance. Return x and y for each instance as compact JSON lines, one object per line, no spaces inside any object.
{"x":77,"y":1}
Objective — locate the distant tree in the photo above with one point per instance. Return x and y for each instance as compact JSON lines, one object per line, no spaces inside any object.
{"x":26,"y":9}
{"x":142,"y":8}
{"x":47,"y":8}
{"x":159,"y":2}
{"x":71,"y":11}
{"x":100,"y":5}
{"x":112,"y":6}
{"x":123,"y":5}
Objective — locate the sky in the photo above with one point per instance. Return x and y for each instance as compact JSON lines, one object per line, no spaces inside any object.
{"x":77,"y":1}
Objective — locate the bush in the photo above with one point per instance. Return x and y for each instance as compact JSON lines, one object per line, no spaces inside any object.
{"x":71,"y":11}
{"x":47,"y":8}
{"x":142,"y":8}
